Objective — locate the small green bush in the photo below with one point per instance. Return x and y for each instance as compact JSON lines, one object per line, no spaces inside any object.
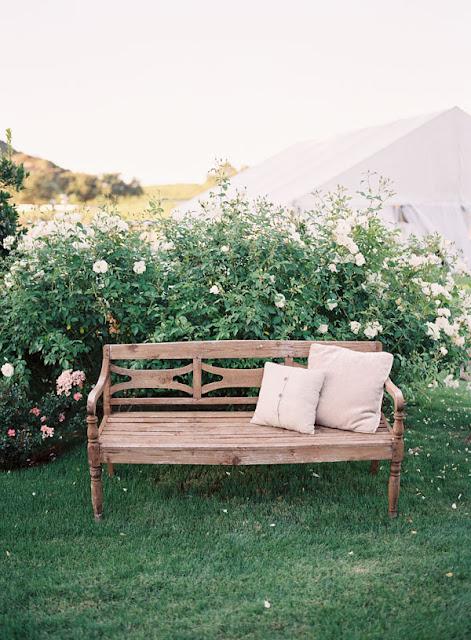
{"x":34,"y":429}
{"x":12,"y":176}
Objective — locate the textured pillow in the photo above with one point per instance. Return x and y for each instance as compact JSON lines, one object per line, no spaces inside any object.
{"x":353,"y":388}
{"x":288,"y":398}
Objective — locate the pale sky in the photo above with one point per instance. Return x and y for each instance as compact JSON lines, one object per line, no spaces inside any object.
{"x":158,"y":89}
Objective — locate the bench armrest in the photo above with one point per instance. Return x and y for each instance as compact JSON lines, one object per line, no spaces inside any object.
{"x":396,"y":394}
{"x":97,"y":390}
{"x":399,"y":404}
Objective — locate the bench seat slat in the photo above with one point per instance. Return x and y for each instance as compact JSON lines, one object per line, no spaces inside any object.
{"x":234,"y":428}
{"x":245,"y":455}
{"x":219,"y":438}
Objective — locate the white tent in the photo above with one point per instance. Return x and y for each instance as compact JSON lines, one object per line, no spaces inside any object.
{"x":428,"y":158}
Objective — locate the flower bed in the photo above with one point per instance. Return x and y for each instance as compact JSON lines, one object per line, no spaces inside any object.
{"x":33,"y":431}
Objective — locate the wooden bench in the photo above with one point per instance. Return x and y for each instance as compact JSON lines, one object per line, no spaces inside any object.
{"x":192,"y":434}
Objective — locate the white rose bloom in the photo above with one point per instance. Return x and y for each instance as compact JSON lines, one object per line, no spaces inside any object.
{"x":451,"y":330}
{"x":355,"y":326}
{"x":332,"y":267}
{"x":323,"y":328}
{"x":443,"y":351}
{"x":458,"y":340}
{"x":352,"y":246}
{"x":343,"y":227}
{"x":139,"y":267}
{"x":342,"y":238}
{"x":100,"y":266}
{"x":272,"y":279}
{"x":372,"y":329}
{"x":296,"y":237}
{"x":416,"y":261}
{"x":433,"y":331}
{"x":280,"y":300}
{"x":331,"y":304}
{"x":438,"y":290}
{"x":8,"y":370}
{"x":360,"y":259}
{"x":443,"y":311}
{"x":442,"y":323}
{"x":214,"y":290}
{"x":8,"y":242}
{"x":224,"y":248}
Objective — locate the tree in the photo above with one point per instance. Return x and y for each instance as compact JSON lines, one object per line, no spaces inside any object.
{"x":12,"y":176}
{"x":44,"y":186}
{"x":113,"y":186}
{"x":82,"y":186}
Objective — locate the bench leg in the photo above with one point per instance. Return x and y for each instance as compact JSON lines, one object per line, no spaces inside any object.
{"x":97,"y":492}
{"x":393,"y":488}
{"x":110,"y":466}
{"x":396,"y":461}
{"x":374,"y":467}
{"x":95,"y":467}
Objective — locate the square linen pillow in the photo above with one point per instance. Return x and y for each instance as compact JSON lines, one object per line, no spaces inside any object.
{"x":288,"y":397}
{"x":353,"y":388}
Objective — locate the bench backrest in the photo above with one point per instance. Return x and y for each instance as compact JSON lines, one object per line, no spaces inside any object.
{"x":196,"y":392}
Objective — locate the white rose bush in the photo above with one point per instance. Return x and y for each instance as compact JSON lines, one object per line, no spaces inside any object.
{"x":241,"y":270}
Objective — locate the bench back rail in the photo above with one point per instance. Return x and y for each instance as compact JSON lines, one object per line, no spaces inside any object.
{"x":196,"y":393}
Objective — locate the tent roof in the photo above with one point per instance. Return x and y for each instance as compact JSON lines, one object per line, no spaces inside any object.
{"x":428,"y":158}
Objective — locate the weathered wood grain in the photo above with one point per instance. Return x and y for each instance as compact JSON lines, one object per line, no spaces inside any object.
{"x":219,"y":349}
{"x":94,"y":461}
{"x":232,"y":378}
{"x":151,"y":379}
{"x":167,"y":401}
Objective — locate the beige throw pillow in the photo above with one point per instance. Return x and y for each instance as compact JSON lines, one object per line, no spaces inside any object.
{"x":288,"y":398}
{"x":353,"y":388}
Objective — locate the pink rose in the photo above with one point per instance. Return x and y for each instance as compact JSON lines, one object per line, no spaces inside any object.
{"x":47,"y":432}
{"x":35,"y":411}
{"x":61,"y":417}
{"x":43,"y":418}
{"x":11,"y":433}
{"x":77,"y":396}
{"x":69,"y":379}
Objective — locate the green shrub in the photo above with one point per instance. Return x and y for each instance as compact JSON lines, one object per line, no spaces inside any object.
{"x":242,"y":270}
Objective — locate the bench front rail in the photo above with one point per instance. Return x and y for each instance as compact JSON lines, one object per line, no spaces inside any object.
{"x":189,"y":427}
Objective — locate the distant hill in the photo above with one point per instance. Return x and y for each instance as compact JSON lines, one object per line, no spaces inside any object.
{"x":49,"y":182}
{"x":31,"y":163}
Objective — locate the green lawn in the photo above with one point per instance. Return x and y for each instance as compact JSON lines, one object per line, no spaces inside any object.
{"x":169,"y":195}
{"x":194,"y":552}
